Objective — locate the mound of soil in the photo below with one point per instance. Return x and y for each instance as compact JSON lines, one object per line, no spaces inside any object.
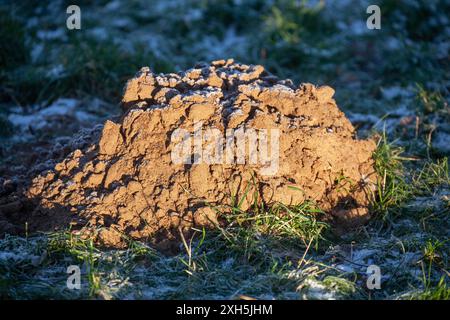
{"x":130,"y":179}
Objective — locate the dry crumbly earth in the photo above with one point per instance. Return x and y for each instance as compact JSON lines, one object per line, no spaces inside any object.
{"x":125,"y":184}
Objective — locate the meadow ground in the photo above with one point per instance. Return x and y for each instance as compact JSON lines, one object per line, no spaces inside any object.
{"x":392,"y":83}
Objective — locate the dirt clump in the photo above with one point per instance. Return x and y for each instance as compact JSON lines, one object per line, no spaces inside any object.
{"x":183,"y":150}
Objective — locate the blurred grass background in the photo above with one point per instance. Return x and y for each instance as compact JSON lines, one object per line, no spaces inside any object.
{"x":40,"y":59}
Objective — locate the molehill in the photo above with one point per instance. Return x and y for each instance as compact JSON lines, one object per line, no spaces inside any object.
{"x":171,"y":163}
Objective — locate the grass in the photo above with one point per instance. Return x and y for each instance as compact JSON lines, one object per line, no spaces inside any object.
{"x":432,"y":256}
{"x":433,"y":113}
{"x":248,"y":256}
{"x":395,"y":184}
{"x":82,"y":250}
{"x":431,"y":250}
{"x":267,"y":251}
{"x":243,"y":258}
{"x":392,"y":187}
{"x":439,"y":292}
{"x":412,"y":18}
{"x":213,"y":265}
{"x":416,"y":57}
{"x":429,"y":101}
{"x":6,"y":129}
{"x":291,"y":22}
{"x":432,"y":175}
{"x":298,"y":224}
{"x":101,"y":68}
{"x":13,"y":49}
{"x":88,"y":68}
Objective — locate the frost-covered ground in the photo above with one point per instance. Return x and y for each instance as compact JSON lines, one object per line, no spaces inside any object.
{"x":396,"y":80}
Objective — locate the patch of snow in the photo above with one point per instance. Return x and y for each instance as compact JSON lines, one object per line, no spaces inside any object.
{"x":113,"y":6}
{"x":43,"y":118}
{"x":393,"y":92}
{"x":84,"y":116}
{"x":228,"y":263}
{"x":100,"y":33}
{"x":21,"y":120}
{"x":122,"y":23}
{"x":313,"y":289}
{"x":57,"y":34}
{"x":56,"y":71}
{"x":345,"y":268}
{"x":441,"y":141}
{"x":360,"y":256}
{"x":32,"y":22}
{"x":393,"y":43}
{"x":231,"y":44}
{"x":193,"y":14}
{"x":36,"y":52}
{"x":360,"y":117}
{"x":6,"y":255}
{"x":355,"y":28}
{"x":60,"y":107}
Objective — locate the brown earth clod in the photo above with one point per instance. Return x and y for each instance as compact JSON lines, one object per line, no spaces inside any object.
{"x":125,"y":184}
